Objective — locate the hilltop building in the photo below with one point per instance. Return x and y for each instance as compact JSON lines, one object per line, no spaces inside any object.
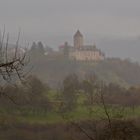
{"x":81,"y":52}
{"x":78,"y":40}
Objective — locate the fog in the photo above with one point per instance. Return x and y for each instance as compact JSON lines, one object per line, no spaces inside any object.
{"x":54,"y":22}
{"x":78,"y":78}
{"x":43,"y":18}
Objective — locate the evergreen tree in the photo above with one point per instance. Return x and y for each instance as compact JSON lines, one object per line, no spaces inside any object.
{"x":40,"y":48}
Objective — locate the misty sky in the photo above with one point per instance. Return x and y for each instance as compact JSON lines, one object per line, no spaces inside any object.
{"x":47,"y":20}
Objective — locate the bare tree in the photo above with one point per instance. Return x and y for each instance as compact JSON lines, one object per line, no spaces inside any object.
{"x":12,"y":62}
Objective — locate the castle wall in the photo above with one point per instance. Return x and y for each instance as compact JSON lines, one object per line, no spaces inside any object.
{"x":86,"y":55}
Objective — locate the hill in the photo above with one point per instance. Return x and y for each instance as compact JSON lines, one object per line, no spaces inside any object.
{"x":53,"y":71}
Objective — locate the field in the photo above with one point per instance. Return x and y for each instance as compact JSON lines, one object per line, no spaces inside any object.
{"x":38,"y":122}
{"x":81,"y":112}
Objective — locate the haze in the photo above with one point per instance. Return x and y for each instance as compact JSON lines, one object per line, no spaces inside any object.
{"x":54,"y":21}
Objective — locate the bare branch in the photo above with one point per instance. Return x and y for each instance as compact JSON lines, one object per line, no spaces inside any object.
{"x":82,"y":130}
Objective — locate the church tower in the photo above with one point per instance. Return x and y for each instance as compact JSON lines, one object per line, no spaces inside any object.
{"x":78,"y":40}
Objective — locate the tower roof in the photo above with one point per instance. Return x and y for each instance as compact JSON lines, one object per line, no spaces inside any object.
{"x":78,"y":33}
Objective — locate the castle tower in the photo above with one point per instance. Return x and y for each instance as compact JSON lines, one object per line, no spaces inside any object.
{"x":78,"y":40}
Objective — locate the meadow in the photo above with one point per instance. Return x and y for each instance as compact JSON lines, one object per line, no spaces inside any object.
{"x":80,"y":112}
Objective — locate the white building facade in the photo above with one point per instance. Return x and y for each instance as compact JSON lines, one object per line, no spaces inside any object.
{"x":81,"y":52}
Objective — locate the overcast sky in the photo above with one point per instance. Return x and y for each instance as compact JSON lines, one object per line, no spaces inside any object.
{"x":46,"y":20}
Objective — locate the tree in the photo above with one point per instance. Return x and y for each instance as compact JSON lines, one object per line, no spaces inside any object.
{"x":36,"y":90}
{"x":37,"y":51}
{"x":12,"y":62}
{"x":66,"y":50}
{"x":70,"y":87}
{"x":35,"y":85}
{"x":40,"y":48}
{"x":89,"y":87}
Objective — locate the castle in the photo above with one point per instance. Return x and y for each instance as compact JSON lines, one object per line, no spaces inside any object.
{"x":81,"y":52}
